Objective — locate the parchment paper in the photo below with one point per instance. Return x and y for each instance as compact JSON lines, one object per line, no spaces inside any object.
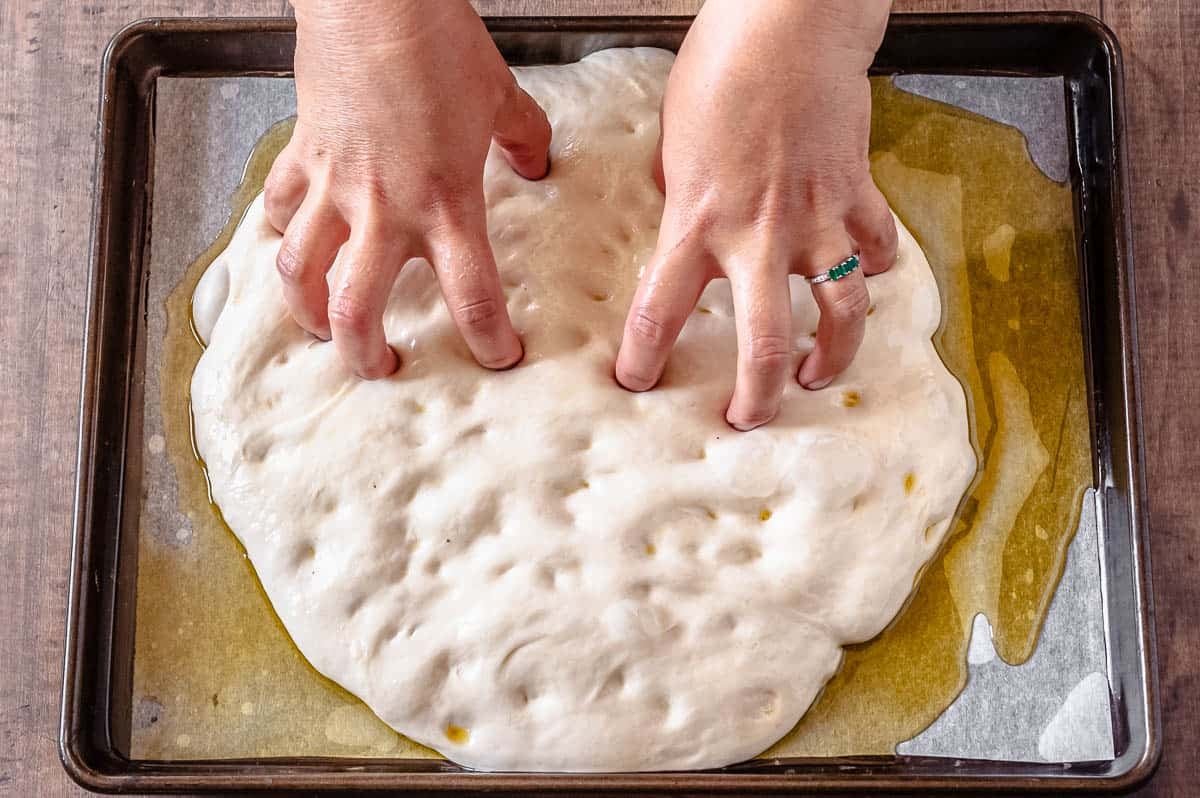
{"x":1054,"y":707}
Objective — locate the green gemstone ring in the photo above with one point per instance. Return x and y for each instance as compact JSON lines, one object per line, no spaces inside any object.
{"x":843,"y":269}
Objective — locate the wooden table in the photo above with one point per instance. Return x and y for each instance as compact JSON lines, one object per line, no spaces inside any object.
{"x":49,"y":64}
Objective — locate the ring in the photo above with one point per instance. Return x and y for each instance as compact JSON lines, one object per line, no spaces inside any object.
{"x":843,"y":269}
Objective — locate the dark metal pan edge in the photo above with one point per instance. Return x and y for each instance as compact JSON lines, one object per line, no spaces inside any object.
{"x":1142,"y":766}
{"x":113,"y":773}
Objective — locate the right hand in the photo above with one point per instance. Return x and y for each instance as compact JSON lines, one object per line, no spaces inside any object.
{"x":397,"y":103}
{"x":765,"y":125}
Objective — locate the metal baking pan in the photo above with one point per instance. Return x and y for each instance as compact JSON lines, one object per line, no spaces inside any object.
{"x":94,"y":730}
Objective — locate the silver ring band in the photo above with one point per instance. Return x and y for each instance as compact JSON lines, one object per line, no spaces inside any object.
{"x":843,"y":269}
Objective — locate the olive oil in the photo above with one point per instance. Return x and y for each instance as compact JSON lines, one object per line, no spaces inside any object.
{"x":221,"y":678}
{"x":1001,"y":241}
{"x":215,"y":673}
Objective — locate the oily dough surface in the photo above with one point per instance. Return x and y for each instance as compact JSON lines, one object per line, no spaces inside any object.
{"x":535,"y":569}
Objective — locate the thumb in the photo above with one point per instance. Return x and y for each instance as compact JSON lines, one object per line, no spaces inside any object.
{"x":522,"y":132}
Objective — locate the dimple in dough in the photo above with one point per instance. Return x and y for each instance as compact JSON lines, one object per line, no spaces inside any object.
{"x":535,"y":569}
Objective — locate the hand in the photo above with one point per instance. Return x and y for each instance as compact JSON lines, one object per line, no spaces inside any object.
{"x":397,"y":103}
{"x":765,"y":127}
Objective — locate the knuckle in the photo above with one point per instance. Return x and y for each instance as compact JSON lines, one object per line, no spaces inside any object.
{"x":822,"y":194}
{"x":538,"y":127}
{"x":284,"y":180}
{"x":767,"y":355}
{"x":276,"y":184}
{"x":288,"y":262}
{"x":271,"y":190}
{"x":880,"y":234}
{"x":850,"y":307}
{"x":376,"y":189}
{"x":509,"y":91}
{"x":545,"y":132}
{"x":349,"y":315}
{"x":516,"y":102}
{"x":700,"y":211}
{"x":890,"y":238}
{"x":445,"y":195}
{"x":477,"y":315}
{"x":873,"y":209}
{"x":645,"y":329}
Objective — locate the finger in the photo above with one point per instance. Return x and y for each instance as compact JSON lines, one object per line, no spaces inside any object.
{"x":285,"y":187}
{"x":466,"y":271}
{"x":873,"y":229}
{"x":369,"y":265}
{"x":843,"y":305}
{"x":762,"y":309}
{"x":313,"y":237}
{"x":665,"y":297}
{"x":522,"y":132}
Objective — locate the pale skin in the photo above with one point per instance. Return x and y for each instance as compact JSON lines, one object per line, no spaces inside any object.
{"x":765,"y":126}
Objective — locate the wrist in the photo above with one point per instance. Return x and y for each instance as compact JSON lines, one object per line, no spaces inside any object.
{"x":364,"y":23}
{"x":831,"y":34}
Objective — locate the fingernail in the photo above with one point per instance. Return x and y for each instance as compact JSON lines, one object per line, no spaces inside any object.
{"x":743,"y":426}
{"x":632,"y":384}
{"x":508,"y":361}
{"x":637,"y":383}
{"x":817,"y":385}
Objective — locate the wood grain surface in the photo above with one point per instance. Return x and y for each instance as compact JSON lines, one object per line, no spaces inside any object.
{"x":49,"y":66}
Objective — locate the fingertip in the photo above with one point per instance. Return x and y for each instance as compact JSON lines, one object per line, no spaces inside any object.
{"x":843,"y":306}
{"x":813,"y":383}
{"x":881,"y":254}
{"x":629,"y":378}
{"x":746,"y":424}
{"x":750,"y":412}
{"x":483,"y":321}
{"x":522,"y":131}
{"x":513,"y":354}
{"x":654,"y":323}
{"x":642,"y":357}
{"x":763,"y":321}
{"x":355,"y":310}
{"x":873,"y":228}
{"x":385,"y":366}
{"x":543,"y":169}
{"x":813,"y":374}
{"x":538,"y":169}
{"x":466,"y":270}
{"x":529,"y":165}
{"x":634,"y":381}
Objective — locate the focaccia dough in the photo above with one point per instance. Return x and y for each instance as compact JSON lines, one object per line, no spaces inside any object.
{"x":535,"y":569}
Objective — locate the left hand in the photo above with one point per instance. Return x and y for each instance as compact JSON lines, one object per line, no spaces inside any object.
{"x":765,"y":127}
{"x":397,"y":104}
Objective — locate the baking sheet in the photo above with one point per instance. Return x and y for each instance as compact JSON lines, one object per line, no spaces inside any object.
{"x":1053,"y":707}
